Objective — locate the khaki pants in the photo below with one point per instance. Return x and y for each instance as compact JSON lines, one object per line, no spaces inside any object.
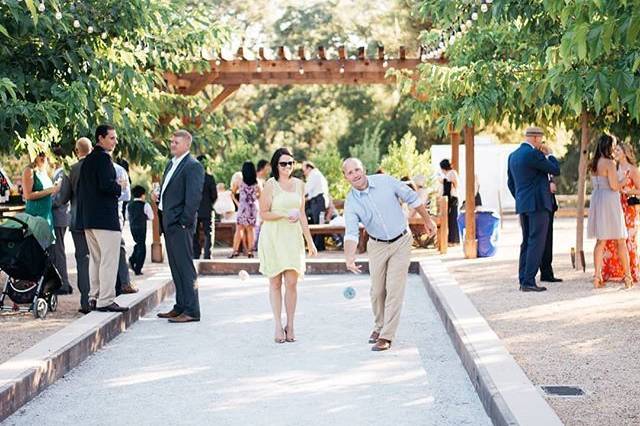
{"x":104,"y":253}
{"x":389,"y":267}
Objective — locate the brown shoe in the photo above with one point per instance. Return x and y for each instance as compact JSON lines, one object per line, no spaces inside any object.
{"x":374,"y":337}
{"x":184,"y":318}
{"x":129,"y":289}
{"x":381,"y":345}
{"x":171,"y":314}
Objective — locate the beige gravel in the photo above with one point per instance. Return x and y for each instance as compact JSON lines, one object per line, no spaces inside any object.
{"x":571,"y":334}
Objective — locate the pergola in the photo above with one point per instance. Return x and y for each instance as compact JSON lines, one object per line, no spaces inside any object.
{"x":319,"y":68}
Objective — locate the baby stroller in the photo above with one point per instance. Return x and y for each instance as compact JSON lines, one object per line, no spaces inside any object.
{"x":32,"y":278}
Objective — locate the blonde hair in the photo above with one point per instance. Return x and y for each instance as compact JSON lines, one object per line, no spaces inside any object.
{"x":183,"y":134}
{"x":629,"y":152}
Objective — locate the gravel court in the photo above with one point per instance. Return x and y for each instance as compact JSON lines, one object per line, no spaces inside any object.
{"x":227,"y":369}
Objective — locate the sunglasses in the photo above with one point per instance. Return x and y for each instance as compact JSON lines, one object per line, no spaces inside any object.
{"x":286,"y":163}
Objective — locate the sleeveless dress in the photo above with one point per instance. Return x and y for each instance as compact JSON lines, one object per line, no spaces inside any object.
{"x":247,"y":209}
{"x":611,"y":266}
{"x":606,"y":220}
{"x":281,"y":243}
{"x":42,"y":206}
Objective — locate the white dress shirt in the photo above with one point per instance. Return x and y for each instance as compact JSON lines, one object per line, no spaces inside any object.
{"x":317,"y":184}
{"x":176,"y":161}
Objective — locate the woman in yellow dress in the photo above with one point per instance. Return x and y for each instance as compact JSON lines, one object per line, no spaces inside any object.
{"x":282,"y":236}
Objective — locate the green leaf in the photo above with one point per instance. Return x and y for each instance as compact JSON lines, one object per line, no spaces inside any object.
{"x":634,"y":27}
{"x":33,"y":10}
{"x":4,"y":32}
{"x":580,"y":39}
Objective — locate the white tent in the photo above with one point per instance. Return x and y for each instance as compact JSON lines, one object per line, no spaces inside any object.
{"x":491,"y":171}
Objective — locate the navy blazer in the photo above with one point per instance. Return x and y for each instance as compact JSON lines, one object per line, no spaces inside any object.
{"x":528,"y":179}
{"x":98,"y":193}
{"x":181,"y":198}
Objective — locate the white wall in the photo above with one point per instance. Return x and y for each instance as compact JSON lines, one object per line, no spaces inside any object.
{"x":491,"y":171}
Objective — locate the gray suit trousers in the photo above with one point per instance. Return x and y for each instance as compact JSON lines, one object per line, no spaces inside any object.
{"x":82,"y":265}
{"x":59,"y":256}
{"x":179,"y":244}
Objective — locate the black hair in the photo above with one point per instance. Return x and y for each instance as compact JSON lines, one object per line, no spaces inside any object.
{"x":604,"y":149}
{"x":138,"y":191}
{"x":275,"y":159}
{"x":261,"y":165}
{"x":249,"y":173}
{"x":445,"y":165}
{"x":103,"y":130}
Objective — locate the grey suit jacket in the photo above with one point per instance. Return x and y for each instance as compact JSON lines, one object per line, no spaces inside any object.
{"x":181,"y":198}
{"x":60,"y":201}
{"x":72,"y":194}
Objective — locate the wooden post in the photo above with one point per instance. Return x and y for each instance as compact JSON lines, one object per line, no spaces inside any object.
{"x":470,"y":242}
{"x":156,"y":245}
{"x":443,"y":220}
{"x":582,"y":176}
{"x":455,"y":149}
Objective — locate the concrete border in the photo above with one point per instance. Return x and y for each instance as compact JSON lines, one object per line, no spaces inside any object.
{"x":507,"y":394}
{"x":314,"y":266}
{"x":30,"y":372}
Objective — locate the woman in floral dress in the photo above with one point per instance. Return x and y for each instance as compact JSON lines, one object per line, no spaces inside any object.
{"x":612,"y":269}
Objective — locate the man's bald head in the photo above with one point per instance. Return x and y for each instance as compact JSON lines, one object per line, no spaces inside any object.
{"x":354,"y":172}
{"x":83,"y":147}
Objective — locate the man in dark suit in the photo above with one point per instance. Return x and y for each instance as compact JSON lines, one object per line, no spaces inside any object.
{"x":546,"y":270}
{"x":180,"y":195}
{"x":97,"y":215}
{"x":82,"y":149}
{"x":209,"y":196}
{"x":528,"y":179}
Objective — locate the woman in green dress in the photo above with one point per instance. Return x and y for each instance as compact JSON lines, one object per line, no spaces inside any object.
{"x":38,"y":188}
{"x":282,"y":236}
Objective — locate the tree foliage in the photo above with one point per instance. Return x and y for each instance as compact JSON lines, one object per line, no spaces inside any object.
{"x":67,"y":66}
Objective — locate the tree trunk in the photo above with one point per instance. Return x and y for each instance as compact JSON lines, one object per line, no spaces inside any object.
{"x":582,"y":176}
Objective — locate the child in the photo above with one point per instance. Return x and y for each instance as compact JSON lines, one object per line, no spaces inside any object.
{"x":139,"y":212}
{"x":224,"y":204}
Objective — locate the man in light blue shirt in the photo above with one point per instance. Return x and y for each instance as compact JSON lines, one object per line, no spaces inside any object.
{"x":375,"y":201}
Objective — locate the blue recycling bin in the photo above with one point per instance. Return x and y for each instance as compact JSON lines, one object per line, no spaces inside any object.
{"x":487,"y":231}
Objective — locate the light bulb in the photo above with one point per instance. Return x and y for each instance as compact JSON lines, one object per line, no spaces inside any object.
{"x":103,"y":35}
{"x":90,"y":29}
{"x":41,"y":7}
{"x":258,"y":68}
{"x":484,"y":8}
{"x":58,"y":16}
{"x":301,"y":71}
{"x":385,"y":64}
{"x":469,"y":23}
{"x":341,"y":69}
{"x":474,"y":16}
{"x":218,"y":62}
{"x":452,"y":40}
{"x":463,"y":27}
{"x":76,"y":24}
{"x":488,"y":1}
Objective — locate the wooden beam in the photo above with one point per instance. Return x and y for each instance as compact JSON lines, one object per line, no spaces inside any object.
{"x":282,"y":54}
{"x":341,"y":53}
{"x":261,"y":54}
{"x":322,"y":55}
{"x":582,"y":177}
{"x":307,"y":78}
{"x":301,"y":53}
{"x":470,"y":241}
{"x":222,"y":96}
{"x":240,"y":54}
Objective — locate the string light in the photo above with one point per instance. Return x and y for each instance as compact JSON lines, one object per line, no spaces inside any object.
{"x":474,"y":16}
{"x":41,"y":7}
{"x":90,"y":29}
{"x":58,"y":16}
{"x":341,"y":69}
{"x":301,"y":71}
{"x":258,"y":67}
{"x":76,"y":24}
{"x":484,"y":7}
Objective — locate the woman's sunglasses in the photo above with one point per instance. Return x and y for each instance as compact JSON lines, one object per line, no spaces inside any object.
{"x":286,"y":163}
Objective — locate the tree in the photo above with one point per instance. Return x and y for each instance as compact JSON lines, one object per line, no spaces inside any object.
{"x":66,"y":67}
{"x":404,"y":160}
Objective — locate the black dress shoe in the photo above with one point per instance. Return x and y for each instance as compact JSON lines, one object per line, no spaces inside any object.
{"x":551,"y":280}
{"x":86,"y":310}
{"x":532,"y":288}
{"x":114,"y":307}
